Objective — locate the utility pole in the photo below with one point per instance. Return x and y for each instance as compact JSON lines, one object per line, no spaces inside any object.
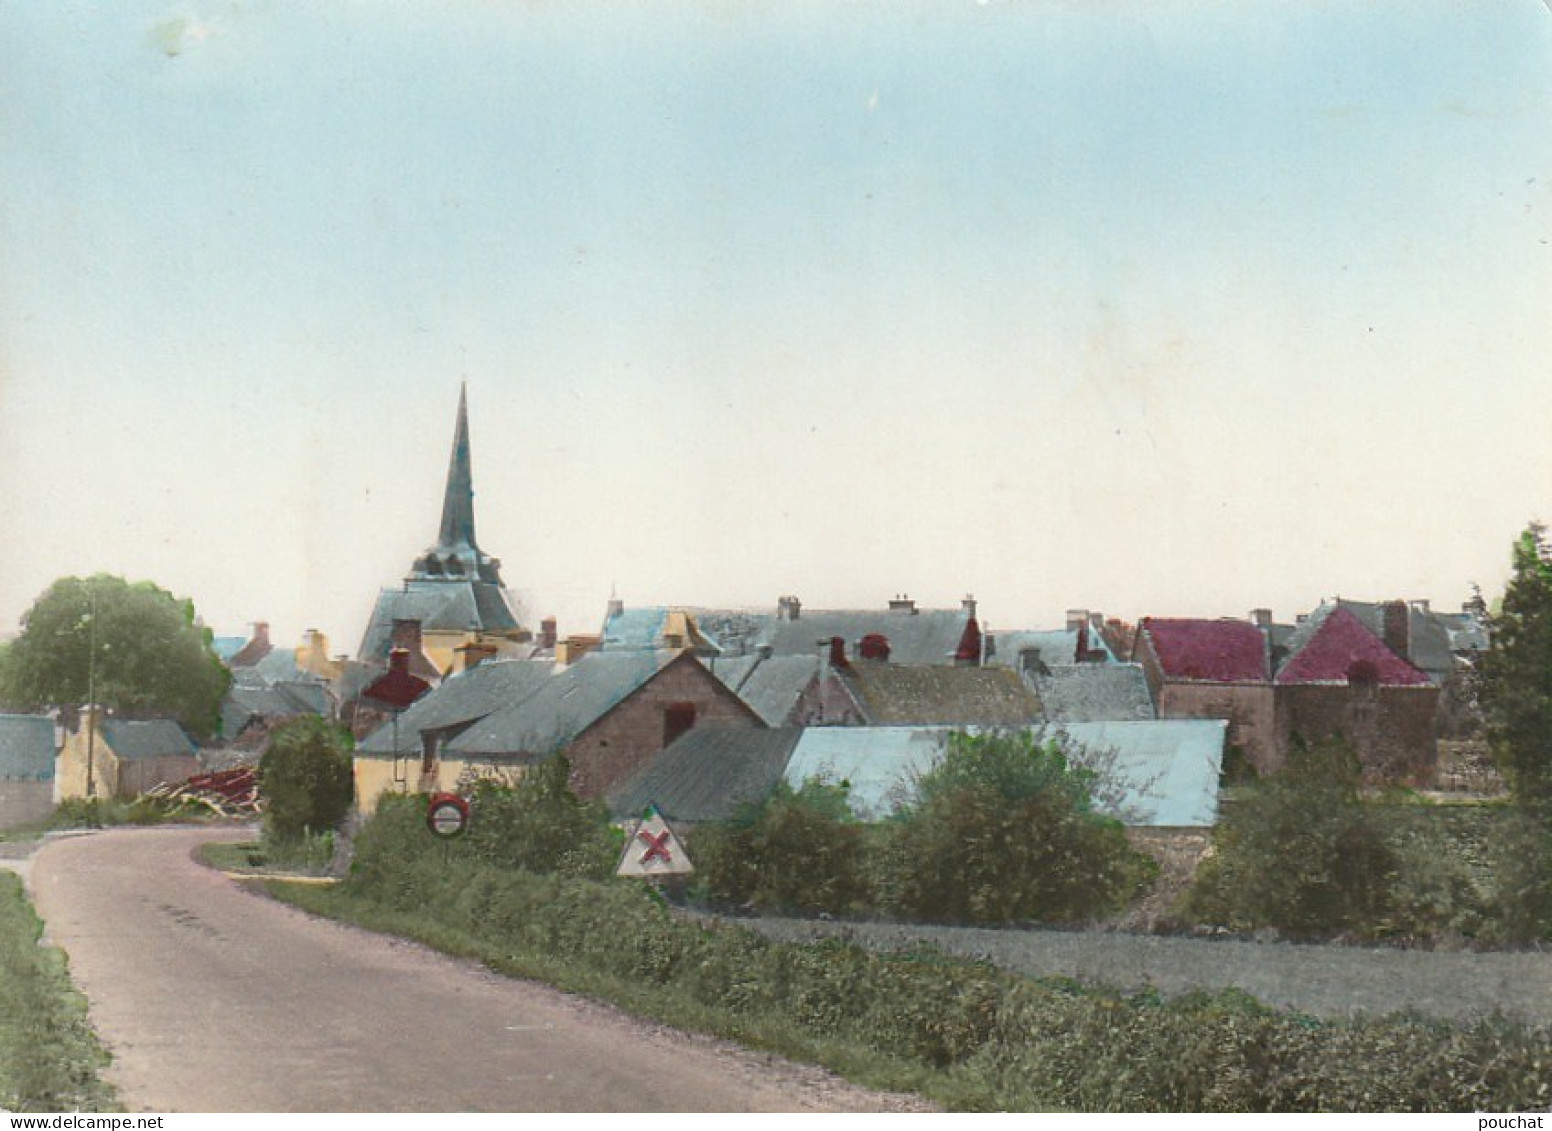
{"x":91,"y":696}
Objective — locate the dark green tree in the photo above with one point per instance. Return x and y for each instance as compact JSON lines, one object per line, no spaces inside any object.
{"x":1005,"y":829}
{"x":306,"y":778}
{"x":1516,"y":688}
{"x":134,"y":648}
{"x":540,"y":825}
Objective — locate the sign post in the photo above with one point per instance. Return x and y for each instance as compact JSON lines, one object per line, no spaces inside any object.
{"x":447,"y":815}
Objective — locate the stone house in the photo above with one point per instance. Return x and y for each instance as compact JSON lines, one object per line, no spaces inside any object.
{"x":610,"y":713}
{"x":1214,"y":669}
{"x":108,"y":757}
{"x":1341,"y":679}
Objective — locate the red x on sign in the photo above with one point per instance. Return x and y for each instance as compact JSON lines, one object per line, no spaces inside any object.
{"x":657,"y":846}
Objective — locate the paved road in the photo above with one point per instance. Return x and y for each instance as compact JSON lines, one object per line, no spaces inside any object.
{"x":215,"y":999}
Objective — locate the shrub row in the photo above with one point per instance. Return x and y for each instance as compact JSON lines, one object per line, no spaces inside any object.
{"x":979,"y":1037}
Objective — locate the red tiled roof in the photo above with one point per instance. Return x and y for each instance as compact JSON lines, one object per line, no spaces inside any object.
{"x":1340,"y":642}
{"x":1218,"y":651}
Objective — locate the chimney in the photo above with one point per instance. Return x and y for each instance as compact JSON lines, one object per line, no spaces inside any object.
{"x":874,"y":646}
{"x":261,"y":633}
{"x":406,"y":635}
{"x":788,"y":608}
{"x":837,"y":652}
{"x":615,"y":608}
{"x":1076,"y":619}
{"x":473,"y":654}
{"x":967,"y":605}
{"x":1420,"y":604}
{"x":548,"y":633}
{"x":399,"y":660}
{"x":1261,"y":618}
{"x":903,"y":604}
{"x":1397,"y":634}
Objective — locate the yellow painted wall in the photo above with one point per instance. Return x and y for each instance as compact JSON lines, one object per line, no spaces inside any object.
{"x":70,"y":771}
{"x":375,"y":776}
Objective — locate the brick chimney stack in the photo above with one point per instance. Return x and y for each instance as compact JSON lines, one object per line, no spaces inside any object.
{"x":1397,"y":627}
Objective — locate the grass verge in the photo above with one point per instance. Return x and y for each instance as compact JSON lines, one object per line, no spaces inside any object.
{"x":49,"y":1057}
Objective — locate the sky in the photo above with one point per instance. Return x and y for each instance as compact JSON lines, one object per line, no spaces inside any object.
{"x":1160,"y":308}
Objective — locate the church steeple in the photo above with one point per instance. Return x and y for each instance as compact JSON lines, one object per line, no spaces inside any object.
{"x":458,"y":499}
{"x":457,"y":556}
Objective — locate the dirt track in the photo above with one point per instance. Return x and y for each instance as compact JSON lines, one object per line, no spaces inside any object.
{"x":215,"y":999}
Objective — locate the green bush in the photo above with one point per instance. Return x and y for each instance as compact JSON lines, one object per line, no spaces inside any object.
{"x":1300,"y":853}
{"x":1521,"y":852}
{"x":798,"y":851}
{"x":1005,"y":831}
{"x":306,"y":778}
{"x":539,"y":824}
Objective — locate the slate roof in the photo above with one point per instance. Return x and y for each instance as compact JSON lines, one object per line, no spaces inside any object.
{"x":927,"y":636}
{"x":439,"y":606}
{"x":771,"y":685}
{"x":1428,"y":639}
{"x":1215,"y":651}
{"x":1168,"y":768}
{"x":27,"y":747}
{"x":283,"y":700}
{"x":134,"y":739}
{"x":1094,"y":692}
{"x":562,"y":707}
{"x":462,"y":699}
{"x":890,"y":694}
{"x":647,"y":628}
{"x":708,"y":773}
{"x":1057,"y":646}
{"x":1331,"y":641}
{"x":880,"y":765}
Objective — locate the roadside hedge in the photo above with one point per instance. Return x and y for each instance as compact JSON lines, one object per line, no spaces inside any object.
{"x":967,"y":1034}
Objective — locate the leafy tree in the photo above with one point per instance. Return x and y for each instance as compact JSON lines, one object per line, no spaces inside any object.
{"x":306,"y":778}
{"x":1005,"y":829}
{"x":1300,"y":853}
{"x":1516,"y":688}
{"x":798,"y":850}
{"x":132,"y":647}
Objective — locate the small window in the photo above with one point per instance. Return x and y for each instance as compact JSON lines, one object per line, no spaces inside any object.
{"x":677,"y":719}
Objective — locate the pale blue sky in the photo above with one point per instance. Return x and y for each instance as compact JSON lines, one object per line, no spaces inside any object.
{"x":1154,"y":308}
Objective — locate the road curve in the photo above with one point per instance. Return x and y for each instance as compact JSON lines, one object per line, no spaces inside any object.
{"x":215,"y":999}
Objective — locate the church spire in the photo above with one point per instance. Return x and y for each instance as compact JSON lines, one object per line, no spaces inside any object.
{"x":457,"y":556}
{"x":458,"y":499}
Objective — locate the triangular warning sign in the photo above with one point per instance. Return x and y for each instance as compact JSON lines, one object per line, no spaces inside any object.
{"x":653,"y":850}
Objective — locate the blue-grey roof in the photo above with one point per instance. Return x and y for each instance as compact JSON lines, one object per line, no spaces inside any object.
{"x":1165,"y":771}
{"x":439,"y":606}
{"x":148,"y":738}
{"x":880,"y":765}
{"x":708,"y":773}
{"x":771,"y":684}
{"x":225,"y":647}
{"x":27,"y":747}
{"x":927,"y":636}
{"x":1428,"y":640}
{"x":1094,"y":692}
{"x":463,"y":699}
{"x":635,"y":628}
{"x":285,"y":699}
{"x":562,"y":707}
{"x":1058,"y":646}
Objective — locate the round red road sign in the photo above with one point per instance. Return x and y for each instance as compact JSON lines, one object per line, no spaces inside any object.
{"x":447,"y":814}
